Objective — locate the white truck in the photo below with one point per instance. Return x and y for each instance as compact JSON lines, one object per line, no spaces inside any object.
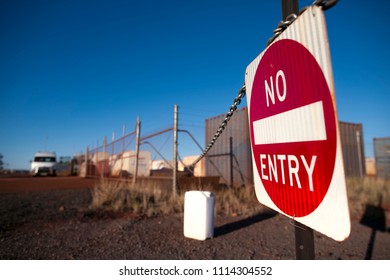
{"x":44,"y":163}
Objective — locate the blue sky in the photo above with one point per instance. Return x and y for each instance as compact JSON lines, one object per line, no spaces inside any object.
{"x":72,"y":72}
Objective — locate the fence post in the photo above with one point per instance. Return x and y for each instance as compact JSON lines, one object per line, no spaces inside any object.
{"x":231,"y":161}
{"x":123,"y":149}
{"x":86,"y":161}
{"x":359,"y":152}
{"x":104,"y":156}
{"x":111,"y":159}
{"x":137,"y":143}
{"x":175,"y":121}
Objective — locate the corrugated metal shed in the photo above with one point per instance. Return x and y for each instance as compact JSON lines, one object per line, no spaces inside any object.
{"x":351,"y":135}
{"x":382,"y":156}
{"x":218,"y":160}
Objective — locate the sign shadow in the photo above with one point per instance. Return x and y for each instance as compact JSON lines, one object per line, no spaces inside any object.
{"x":230,"y":227}
{"x":375,"y":218}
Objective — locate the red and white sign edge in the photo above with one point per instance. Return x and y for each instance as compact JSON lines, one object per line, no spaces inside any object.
{"x":331,"y":217}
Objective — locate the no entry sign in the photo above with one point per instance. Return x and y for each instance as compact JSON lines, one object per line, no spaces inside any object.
{"x":293,"y":128}
{"x":296,"y":149}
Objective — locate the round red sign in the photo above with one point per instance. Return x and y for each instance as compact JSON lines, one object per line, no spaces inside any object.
{"x":293,"y":128}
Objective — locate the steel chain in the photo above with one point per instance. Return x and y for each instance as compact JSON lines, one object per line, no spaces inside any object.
{"x":232,"y":109}
{"x":325,"y":4}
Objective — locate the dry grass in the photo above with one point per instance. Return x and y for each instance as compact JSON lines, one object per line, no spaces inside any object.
{"x":150,"y":199}
{"x":237,"y":201}
{"x":367,"y":191}
{"x":144,"y":199}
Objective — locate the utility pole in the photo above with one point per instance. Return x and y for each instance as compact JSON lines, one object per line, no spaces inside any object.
{"x":137,"y":143}
{"x":304,"y":236}
{"x":175,"y":128}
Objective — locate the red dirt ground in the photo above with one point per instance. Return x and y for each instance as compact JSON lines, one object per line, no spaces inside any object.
{"x":50,"y":218}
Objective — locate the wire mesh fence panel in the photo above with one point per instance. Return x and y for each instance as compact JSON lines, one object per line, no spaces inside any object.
{"x":109,"y":160}
{"x":119,"y":157}
{"x":159,"y":145}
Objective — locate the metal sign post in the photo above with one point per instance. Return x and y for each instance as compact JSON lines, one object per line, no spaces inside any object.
{"x":289,"y":7}
{"x":304,"y":242}
{"x":304,"y":236}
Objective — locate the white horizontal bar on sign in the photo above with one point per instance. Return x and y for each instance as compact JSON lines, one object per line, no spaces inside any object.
{"x":302,"y":124}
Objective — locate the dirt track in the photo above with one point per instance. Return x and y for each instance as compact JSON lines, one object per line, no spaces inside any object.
{"x":57,"y":224}
{"x":27,"y":183}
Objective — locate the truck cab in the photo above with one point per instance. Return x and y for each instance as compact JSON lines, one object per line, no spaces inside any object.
{"x":44,"y":163}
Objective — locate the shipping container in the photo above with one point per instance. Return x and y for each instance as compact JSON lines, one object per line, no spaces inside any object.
{"x":382,"y":156}
{"x":220,"y":160}
{"x":352,"y":145}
